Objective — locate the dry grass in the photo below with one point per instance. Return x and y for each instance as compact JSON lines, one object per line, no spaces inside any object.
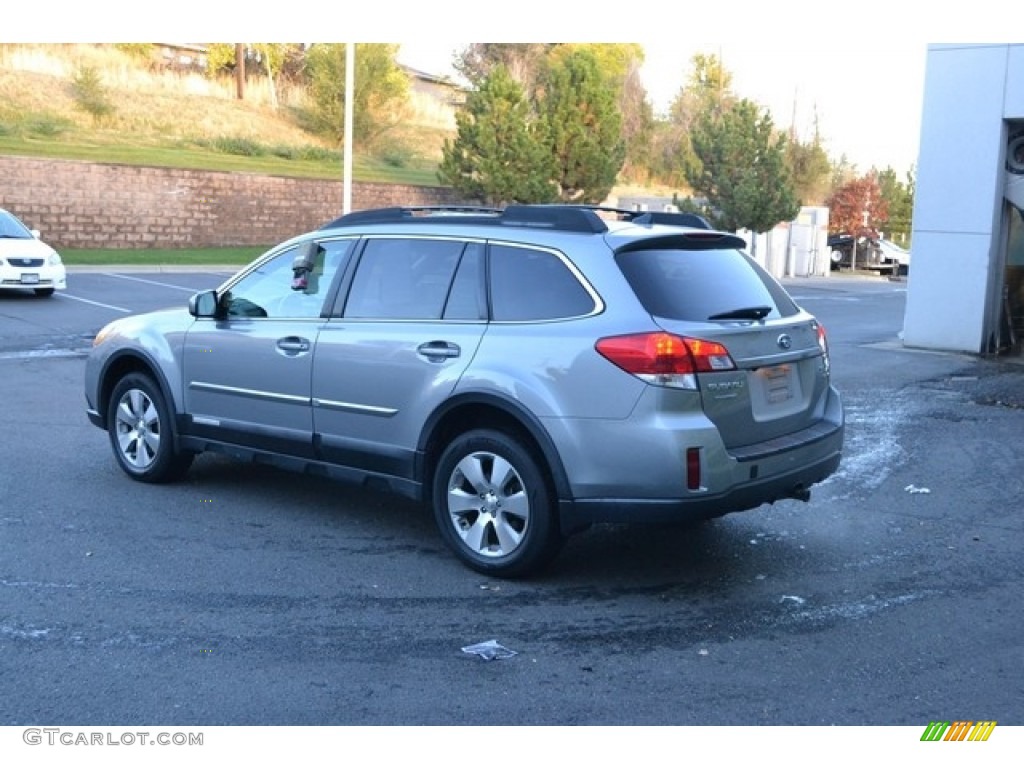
{"x":153,"y":104}
{"x":148,"y":104}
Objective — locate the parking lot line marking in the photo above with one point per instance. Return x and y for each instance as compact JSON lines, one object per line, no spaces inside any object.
{"x":151,"y":282}
{"x":35,"y":354}
{"x":95,"y":303}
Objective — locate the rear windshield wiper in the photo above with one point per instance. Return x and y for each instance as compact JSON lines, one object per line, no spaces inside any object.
{"x":746,"y":313}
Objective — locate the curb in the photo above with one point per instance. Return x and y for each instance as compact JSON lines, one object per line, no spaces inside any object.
{"x":164,"y":268}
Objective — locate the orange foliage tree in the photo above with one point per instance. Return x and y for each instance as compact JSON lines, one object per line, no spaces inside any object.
{"x":857,"y":208}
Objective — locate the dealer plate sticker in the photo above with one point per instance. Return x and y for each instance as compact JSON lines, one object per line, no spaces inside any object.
{"x":778,"y":386}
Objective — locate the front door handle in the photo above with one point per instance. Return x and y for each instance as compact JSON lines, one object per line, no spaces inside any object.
{"x":293,"y":345}
{"x":436,"y":351}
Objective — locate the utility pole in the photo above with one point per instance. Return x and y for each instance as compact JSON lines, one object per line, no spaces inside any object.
{"x":240,"y":71}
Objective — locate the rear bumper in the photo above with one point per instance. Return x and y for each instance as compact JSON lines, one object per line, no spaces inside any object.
{"x":581,"y":512}
{"x":736,"y":480}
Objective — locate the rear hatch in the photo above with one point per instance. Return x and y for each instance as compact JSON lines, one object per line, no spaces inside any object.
{"x":698,"y":290}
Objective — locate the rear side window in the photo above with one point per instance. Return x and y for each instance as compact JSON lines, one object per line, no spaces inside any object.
{"x":702,"y":284}
{"x":403,"y":279}
{"x":528,"y":284}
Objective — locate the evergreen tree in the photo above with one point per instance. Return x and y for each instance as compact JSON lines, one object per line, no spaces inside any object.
{"x":742,"y":168}
{"x":708,"y":91}
{"x":810,"y":168}
{"x":579,"y":108}
{"x":498,"y":155}
{"x":899,"y":198}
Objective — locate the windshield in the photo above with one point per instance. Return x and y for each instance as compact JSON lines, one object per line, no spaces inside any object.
{"x":11,"y":227}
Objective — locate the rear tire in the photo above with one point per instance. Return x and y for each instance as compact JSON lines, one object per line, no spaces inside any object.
{"x":141,"y":430}
{"x":493,"y":506}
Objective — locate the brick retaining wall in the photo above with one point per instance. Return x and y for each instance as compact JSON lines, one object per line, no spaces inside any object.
{"x":98,"y":205}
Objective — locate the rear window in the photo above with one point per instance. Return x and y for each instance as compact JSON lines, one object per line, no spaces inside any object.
{"x":700,"y":285}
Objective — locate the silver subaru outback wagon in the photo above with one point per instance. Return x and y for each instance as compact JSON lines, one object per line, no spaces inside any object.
{"x":523,"y":372}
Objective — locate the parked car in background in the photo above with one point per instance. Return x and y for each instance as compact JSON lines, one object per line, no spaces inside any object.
{"x":897,"y":257}
{"x":26,"y":262}
{"x":524,"y":373}
{"x":875,"y":255}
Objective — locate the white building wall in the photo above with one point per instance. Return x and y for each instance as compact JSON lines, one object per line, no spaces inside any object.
{"x":969,"y":91}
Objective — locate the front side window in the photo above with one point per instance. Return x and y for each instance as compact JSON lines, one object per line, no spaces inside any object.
{"x":270,"y":290}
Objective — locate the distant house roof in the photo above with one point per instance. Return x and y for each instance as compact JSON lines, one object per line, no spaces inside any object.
{"x":426,"y":77}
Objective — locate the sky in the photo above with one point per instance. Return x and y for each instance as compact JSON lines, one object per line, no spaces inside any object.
{"x":858,"y":68}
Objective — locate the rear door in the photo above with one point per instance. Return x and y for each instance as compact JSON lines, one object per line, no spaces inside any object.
{"x":408,"y":328}
{"x":780,"y":382}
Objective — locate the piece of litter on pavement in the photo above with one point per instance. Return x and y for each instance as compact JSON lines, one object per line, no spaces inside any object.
{"x":490,"y":650}
{"x":914,"y":489}
{"x":794,"y":598}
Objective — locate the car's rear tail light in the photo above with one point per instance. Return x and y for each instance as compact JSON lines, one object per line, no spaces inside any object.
{"x":823,"y":343}
{"x":665,"y":359}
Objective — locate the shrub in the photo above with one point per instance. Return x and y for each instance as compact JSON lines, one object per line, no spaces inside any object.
{"x":44,"y":126}
{"x":319,"y":154}
{"x":396,"y":155}
{"x":284,"y":151}
{"x":90,"y":95}
{"x":237,"y":145}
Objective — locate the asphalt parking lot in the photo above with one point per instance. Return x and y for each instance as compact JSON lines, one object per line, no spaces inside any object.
{"x":246,"y":595}
{"x":69,"y":319}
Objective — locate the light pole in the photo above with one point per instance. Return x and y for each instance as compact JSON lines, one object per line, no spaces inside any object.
{"x":350,"y":67}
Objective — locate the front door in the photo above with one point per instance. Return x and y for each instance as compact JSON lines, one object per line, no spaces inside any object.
{"x":247,"y":372}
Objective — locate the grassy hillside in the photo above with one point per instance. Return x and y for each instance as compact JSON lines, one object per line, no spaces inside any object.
{"x":165,"y":118}
{"x":185,"y":120}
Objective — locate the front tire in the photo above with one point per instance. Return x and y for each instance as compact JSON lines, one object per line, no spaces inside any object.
{"x":493,"y":506}
{"x":141,"y":430}
{"x":43,"y":291}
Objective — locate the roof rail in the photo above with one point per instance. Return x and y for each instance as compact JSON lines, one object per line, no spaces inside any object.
{"x":396,"y":214}
{"x":568,"y":218}
{"x":672,"y":219}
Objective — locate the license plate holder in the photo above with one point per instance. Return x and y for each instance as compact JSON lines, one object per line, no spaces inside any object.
{"x":30,"y":278}
{"x":778,"y":384}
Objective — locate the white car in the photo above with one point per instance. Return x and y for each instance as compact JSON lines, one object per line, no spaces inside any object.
{"x":894,"y":255}
{"x":26,"y":262}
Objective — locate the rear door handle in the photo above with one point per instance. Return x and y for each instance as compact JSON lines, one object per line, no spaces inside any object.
{"x":436,"y":351}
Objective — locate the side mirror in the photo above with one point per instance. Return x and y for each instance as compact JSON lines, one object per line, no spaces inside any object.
{"x":35,"y":233}
{"x":303,"y":265}
{"x":305,"y":259}
{"x":203,"y":304}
